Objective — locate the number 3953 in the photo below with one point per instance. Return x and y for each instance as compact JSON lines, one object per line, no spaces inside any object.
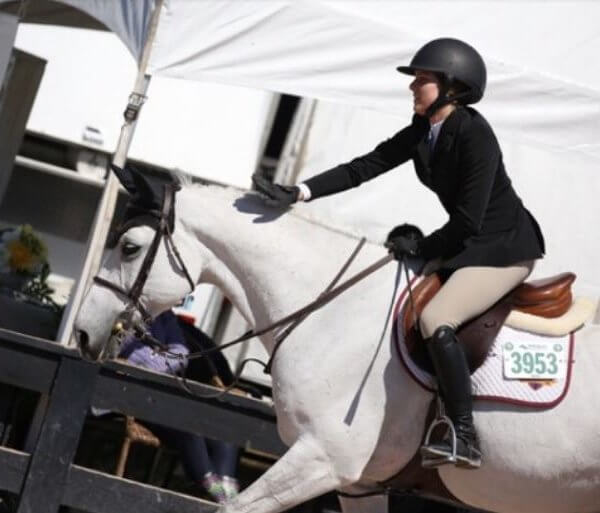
{"x":534,"y":363}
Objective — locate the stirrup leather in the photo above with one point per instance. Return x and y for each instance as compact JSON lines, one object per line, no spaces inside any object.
{"x":429,"y":459}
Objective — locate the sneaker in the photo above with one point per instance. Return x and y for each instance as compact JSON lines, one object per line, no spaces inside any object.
{"x":230,"y":486}
{"x":214,"y":486}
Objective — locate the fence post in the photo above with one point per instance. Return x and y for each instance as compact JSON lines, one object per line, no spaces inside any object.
{"x":7,"y":400}
{"x":58,"y":437}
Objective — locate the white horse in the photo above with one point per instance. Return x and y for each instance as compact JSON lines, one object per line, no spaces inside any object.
{"x":350,"y":413}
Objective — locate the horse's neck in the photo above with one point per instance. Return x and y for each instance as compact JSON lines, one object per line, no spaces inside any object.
{"x":217,"y":273}
{"x":267,"y":269}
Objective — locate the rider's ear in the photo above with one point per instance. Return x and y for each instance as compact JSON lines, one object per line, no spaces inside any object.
{"x":126,"y":177}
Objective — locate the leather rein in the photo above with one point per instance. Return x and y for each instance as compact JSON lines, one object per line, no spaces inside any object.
{"x":163,"y":230}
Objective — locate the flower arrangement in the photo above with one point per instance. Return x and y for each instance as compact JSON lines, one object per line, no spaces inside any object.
{"x":22,"y":252}
{"x":24,"y":264}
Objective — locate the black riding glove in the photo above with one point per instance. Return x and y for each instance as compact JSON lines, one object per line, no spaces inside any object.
{"x":403,"y":240}
{"x":402,"y":246}
{"x":276,"y":195}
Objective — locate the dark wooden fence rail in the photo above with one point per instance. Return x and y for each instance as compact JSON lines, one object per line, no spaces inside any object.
{"x":44,"y":476}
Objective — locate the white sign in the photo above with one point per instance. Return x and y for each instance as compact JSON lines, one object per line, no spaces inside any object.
{"x":535,"y":360}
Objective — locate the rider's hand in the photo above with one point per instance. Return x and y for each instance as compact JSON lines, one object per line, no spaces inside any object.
{"x":274,"y":194}
{"x":401,"y":246}
{"x":404,"y":240}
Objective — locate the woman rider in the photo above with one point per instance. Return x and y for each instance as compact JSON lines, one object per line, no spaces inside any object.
{"x":490,"y":241}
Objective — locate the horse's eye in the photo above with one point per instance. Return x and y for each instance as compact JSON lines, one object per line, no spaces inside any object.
{"x":129,"y":249}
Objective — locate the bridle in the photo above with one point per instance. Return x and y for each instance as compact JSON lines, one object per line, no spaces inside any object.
{"x":162,"y":219}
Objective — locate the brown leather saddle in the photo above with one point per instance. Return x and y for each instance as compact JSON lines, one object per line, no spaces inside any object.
{"x":550,"y":297}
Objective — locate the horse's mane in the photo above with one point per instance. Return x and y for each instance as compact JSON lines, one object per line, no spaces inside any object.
{"x":180,"y":177}
{"x":252,"y":202}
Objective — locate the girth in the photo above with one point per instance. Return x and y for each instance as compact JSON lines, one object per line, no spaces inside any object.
{"x":549,"y":297}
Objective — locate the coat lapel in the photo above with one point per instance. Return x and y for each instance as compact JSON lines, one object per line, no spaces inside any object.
{"x":447,"y":134}
{"x":423,"y":151}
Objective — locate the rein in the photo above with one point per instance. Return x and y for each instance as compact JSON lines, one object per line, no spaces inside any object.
{"x":295,"y":318}
{"x":292,"y":320}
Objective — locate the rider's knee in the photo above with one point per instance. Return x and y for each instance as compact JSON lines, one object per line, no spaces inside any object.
{"x":431,"y":320}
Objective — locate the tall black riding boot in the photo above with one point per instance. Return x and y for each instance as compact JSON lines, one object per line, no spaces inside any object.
{"x":454,"y":381}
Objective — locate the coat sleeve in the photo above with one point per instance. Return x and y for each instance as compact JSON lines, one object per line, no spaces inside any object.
{"x":479,"y":158}
{"x":386,"y":155}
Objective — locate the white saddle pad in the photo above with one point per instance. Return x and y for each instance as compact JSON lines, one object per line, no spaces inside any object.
{"x":490,"y":381}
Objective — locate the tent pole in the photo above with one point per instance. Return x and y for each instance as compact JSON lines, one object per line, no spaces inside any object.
{"x":108,"y":201}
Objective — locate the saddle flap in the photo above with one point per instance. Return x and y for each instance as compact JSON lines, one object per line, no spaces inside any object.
{"x":475,"y":336}
{"x":421,"y":295}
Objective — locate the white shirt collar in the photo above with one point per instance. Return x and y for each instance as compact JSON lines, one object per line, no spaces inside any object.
{"x":434,"y":131}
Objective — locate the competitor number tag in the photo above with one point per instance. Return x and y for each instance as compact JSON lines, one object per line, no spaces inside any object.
{"x":534,"y":360}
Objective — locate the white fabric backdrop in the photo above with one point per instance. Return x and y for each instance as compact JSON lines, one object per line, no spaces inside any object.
{"x":543,"y":96}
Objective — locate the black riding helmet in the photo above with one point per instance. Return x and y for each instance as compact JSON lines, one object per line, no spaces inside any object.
{"x":457,"y":64}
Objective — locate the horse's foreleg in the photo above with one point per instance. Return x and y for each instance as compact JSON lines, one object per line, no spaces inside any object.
{"x":368,"y":504}
{"x":302,"y":473}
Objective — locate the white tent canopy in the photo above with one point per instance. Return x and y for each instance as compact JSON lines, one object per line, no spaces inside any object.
{"x":542,"y":82}
{"x":128,"y":20}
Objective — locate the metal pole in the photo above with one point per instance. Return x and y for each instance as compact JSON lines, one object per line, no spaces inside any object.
{"x":106,"y":207}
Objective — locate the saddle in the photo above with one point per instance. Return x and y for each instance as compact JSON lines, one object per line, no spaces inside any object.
{"x":549,"y":297}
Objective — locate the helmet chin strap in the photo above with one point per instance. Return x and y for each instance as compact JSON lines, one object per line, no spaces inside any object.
{"x":440,"y":102}
{"x":444,"y":98}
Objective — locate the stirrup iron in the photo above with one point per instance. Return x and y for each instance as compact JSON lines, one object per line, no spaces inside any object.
{"x":432,"y":460}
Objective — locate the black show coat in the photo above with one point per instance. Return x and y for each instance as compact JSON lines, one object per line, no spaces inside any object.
{"x":488,"y":224}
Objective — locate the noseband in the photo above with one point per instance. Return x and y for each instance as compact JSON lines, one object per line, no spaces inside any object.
{"x":163,"y":229}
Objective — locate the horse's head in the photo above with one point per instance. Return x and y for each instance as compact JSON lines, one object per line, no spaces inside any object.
{"x":150,"y":268}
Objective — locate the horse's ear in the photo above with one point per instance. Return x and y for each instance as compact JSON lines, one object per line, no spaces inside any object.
{"x":126,"y":177}
{"x":149,"y":190}
{"x":145,"y":191}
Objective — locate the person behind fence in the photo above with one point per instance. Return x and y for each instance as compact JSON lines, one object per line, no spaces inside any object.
{"x":489,"y":243}
{"x":209,"y":463}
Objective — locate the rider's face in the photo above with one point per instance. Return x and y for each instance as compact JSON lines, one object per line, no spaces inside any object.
{"x":425,"y":88}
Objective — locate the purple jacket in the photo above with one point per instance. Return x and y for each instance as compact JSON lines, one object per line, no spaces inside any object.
{"x":166,"y":329}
